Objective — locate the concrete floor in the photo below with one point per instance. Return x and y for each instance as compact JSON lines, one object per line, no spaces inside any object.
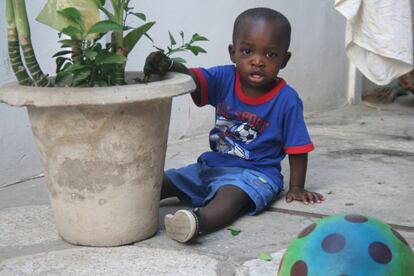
{"x":363,"y":163}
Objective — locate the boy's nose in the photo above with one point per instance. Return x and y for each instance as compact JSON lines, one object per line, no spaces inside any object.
{"x":257,"y":60}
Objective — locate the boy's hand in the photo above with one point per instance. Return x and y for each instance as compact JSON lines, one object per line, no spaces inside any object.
{"x":297,"y":193}
{"x":157,"y":63}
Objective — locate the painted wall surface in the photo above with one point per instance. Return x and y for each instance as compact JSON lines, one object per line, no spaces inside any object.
{"x":317,"y":69}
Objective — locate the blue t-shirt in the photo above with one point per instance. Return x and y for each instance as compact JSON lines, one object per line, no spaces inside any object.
{"x":254,"y":133}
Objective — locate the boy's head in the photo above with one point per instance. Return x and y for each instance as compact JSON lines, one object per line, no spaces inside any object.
{"x":266,"y":14}
{"x":261,"y":39}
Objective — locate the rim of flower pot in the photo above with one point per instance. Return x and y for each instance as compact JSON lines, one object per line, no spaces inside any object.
{"x":171,"y":85}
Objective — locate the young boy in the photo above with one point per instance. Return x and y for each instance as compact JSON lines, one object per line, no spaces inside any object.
{"x":259,"y":119}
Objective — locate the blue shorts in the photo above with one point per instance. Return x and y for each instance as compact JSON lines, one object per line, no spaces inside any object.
{"x":200,"y":183}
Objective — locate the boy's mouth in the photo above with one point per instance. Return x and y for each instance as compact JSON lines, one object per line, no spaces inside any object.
{"x":256,"y":77}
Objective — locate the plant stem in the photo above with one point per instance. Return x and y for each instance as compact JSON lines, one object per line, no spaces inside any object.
{"x":118,"y":40}
{"x":77,"y":51}
{"x":14,"y":49}
{"x":23,"y":30}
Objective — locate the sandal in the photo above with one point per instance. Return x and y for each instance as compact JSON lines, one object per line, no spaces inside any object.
{"x":183,"y":225}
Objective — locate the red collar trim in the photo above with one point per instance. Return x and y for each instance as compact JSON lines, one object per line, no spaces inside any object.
{"x":257,"y":100}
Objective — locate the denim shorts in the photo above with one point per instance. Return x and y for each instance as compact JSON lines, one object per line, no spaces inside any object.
{"x":199,"y":183}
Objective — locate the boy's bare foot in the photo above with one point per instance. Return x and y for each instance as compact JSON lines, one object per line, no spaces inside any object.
{"x":182,"y":226}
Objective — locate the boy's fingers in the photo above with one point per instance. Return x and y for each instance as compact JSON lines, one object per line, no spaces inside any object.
{"x":304,"y":199}
{"x":309,"y":198}
{"x":314,"y":197}
{"x":320,"y":197}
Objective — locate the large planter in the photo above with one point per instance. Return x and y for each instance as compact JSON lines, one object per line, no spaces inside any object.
{"x":103,"y":152}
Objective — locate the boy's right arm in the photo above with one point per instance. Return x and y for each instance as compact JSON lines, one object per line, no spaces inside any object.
{"x":159,"y":64}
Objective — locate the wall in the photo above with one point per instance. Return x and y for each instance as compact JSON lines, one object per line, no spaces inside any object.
{"x":318,"y":68}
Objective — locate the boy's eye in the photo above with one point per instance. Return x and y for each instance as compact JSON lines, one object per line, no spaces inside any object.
{"x":246,"y":51}
{"x":270,"y":54}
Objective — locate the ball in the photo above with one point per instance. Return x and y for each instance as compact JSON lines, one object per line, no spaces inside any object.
{"x":348,"y":244}
{"x":245,"y":133}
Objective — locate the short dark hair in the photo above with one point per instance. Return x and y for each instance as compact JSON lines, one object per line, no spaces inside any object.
{"x":266,"y":14}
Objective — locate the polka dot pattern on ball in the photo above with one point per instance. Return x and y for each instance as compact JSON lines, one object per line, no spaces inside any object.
{"x":333,"y":243}
{"x":356,"y":218}
{"x":380,"y":252}
{"x":299,"y":269}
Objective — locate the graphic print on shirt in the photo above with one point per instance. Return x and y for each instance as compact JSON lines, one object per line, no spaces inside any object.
{"x":225,"y":134}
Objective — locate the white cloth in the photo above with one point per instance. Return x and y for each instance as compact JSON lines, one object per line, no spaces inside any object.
{"x":379,"y":38}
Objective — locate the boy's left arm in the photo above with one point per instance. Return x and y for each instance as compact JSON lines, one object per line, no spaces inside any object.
{"x":298,"y":166}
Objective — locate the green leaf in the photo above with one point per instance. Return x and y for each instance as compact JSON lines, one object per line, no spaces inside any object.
{"x":265,"y":257}
{"x":135,"y":35}
{"x":196,"y":49}
{"x":178,"y":60}
{"x":73,"y":32}
{"x":79,"y":77}
{"x":172,"y":51}
{"x":90,"y":54}
{"x":62,"y":77}
{"x":62,"y":53}
{"x":197,"y":37}
{"x":140,"y":15}
{"x":172,"y":40}
{"x":88,"y":10}
{"x":71,"y":14}
{"x":149,"y":37}
{"x":159,"y":49}
{"x":108,"y":13}
{"x":234,"y":230}
{"x":113,"y":59}
{"x":74,"y":67}
{"x":104,"y":27}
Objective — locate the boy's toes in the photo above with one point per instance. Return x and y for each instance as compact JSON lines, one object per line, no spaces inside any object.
{"x":182,"y":226}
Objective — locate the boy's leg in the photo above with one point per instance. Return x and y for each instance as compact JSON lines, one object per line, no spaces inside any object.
{"x":169,"y":190}
{"x":219,"y":212}
{"x":224,"y":208}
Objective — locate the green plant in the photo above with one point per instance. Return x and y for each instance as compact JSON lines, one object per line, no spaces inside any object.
{"x":91,"y":63}
{"x":166,"y":56}
{"x":174,"y":48}
{"x":84,"y":61}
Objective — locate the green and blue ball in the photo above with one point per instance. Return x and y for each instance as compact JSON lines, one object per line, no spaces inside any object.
{"x":348,"y":245}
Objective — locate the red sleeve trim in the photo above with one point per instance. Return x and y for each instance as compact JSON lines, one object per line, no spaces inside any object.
{"x":299,"y":149}
{"x":203,"y":87}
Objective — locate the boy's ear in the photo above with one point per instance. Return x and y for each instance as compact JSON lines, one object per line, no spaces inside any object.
{"x":286,"y":60}
{"x":232,"y":53}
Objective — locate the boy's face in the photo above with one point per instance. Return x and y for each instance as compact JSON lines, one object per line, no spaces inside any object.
{"x":259,"y":52}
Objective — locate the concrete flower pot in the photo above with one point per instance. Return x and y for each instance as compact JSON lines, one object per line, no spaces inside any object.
{"x":103,"y":152}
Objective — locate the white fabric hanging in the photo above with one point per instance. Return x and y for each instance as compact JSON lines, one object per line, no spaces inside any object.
{"x":379,"y":39}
